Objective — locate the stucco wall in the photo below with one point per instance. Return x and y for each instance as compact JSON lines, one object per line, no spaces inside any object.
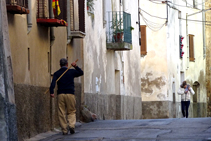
{"x":162,"y":64}
{"x":102,"y":66}
{"x":154,"y":72}
{"x":31,"y":82}
{"x":8,"y":117}
{"x":208,"y":59}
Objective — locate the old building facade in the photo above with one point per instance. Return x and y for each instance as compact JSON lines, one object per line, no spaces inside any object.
{"x":165,"y":64}
{"x":41,"y":34}
{"x":112,"y":66}
{"x":208,"y":57}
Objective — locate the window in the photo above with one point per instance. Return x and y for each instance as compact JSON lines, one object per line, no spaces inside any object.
{"x":195,"y":3}
{"x":17,"y":6}
{"x":28,"y":58}
{"x":191,"y":47}
{"x":143,"y":40}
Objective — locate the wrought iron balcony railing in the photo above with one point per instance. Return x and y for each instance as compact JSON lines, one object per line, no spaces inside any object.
{"x":17,"y":6}
{"x":119,"y":28}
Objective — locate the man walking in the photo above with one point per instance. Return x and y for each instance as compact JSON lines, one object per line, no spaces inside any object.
{"x":66,"y":97}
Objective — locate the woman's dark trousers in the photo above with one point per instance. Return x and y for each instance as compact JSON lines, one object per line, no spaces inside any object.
{"x":185,"y":106}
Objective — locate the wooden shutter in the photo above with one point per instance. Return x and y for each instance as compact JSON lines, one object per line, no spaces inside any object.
{"x":72,"y":24}
{"x":191,"y":48}
{"x":42,"y":9}
{"x":81,"y":4}
{"x":143,"y":40}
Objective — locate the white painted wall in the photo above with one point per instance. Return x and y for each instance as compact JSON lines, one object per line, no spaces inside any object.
{"x":162,"y":59}
{"x":100,"y":64}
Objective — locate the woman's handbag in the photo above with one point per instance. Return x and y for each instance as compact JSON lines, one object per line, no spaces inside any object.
{"x":192,"y":91}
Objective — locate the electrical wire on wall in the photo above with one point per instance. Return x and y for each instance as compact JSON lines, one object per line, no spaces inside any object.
{"x":157,"y":26}
{"x":152,"y":25}
{"x":169,"y":2}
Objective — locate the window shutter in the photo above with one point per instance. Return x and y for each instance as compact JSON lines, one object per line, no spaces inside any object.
{"x":81,"y":4}
{"x":143,"y":40}
{"x":191,"y":48}
{"x":42,"y":9}
{"x":71,"y":15}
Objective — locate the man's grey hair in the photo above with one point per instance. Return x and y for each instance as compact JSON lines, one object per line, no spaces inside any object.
{"x":63,"y":62}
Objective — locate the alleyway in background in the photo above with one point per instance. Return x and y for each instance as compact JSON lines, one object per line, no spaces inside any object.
{"x":179,"y":129}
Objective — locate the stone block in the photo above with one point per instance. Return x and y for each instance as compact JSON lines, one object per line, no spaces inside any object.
{"x":128,"y":107}
{"x":78,"y":99}
{"x":33,"y":110}
{"x":137,"y":107}
{"x":155,"y":109}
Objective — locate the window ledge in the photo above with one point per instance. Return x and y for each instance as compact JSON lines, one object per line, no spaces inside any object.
{"x":51,"y":22}
{"x":16,"y":9}
{"x":78,"y":34}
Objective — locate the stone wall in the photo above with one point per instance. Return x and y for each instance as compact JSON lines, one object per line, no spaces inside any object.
{"x":33,"y":110}
{"x":167,"y":109}
{"x":36,"y":111}
{"x":158,"y":109}
{"x":111,"y":106}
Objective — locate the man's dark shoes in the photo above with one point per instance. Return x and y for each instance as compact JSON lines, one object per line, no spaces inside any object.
{"x":72,"y":130}
{"x":65,"y":133}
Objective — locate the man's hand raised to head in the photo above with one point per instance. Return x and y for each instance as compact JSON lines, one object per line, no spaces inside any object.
{"x":74,"y":64}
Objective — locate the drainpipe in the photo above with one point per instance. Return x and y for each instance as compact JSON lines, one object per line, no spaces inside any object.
{"x":68,"y":21}
{"x":104,"y":13}
{"x":124,"y":5}
{"x":204,"y":32}
{"x":29,"y":17}
{"x":187,"y":39}
{"x":52,"y":37}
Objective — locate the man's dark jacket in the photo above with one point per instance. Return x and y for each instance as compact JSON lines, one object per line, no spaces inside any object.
{"x":66,"y":82}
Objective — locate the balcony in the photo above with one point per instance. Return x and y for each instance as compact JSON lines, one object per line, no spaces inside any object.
{"x":59,"y":17}
{"x":77,"y":18}
{"x":17,"y":6}
{"x":118,"y":29}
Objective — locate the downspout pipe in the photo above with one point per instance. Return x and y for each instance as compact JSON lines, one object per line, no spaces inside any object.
{"x":29,"y":17}
{"x":104,"y":13}
{"x":51,"y":15}
{"x":204,"y":30}
{"x":69,"y":37}
{"x":124,"y":5}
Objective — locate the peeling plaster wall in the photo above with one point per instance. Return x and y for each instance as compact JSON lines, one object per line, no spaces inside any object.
{"x":208,"y":60}
{"x":154,"y":70}
{"x":101,"y":64}
{"x":8,"y":117}
{"x":162,"y":66}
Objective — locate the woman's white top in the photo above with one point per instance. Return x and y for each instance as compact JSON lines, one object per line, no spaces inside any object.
{"x":185,"y":97}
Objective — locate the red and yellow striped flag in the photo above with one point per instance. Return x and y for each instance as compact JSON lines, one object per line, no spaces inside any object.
{"x":54,"y":4}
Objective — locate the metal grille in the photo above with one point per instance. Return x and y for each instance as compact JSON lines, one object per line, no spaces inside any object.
{"x":23,"y":3}
{"x":42,"y":10}
{"x":119,"y":27}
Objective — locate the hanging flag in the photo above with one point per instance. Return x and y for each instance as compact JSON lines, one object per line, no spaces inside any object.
{"x":54,"y":4}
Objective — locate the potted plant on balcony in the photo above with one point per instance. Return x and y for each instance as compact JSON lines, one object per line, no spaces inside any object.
{"x":90,"y":5}
{"x":117,"y":30}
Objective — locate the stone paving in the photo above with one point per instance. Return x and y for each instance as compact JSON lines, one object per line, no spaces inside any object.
{"x":177,"y":129}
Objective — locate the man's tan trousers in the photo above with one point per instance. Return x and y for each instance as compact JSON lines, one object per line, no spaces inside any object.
{"x":66,"y":111}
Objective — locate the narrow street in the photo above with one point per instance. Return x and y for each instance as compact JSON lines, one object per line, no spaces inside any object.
{"x":178,"y":129}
